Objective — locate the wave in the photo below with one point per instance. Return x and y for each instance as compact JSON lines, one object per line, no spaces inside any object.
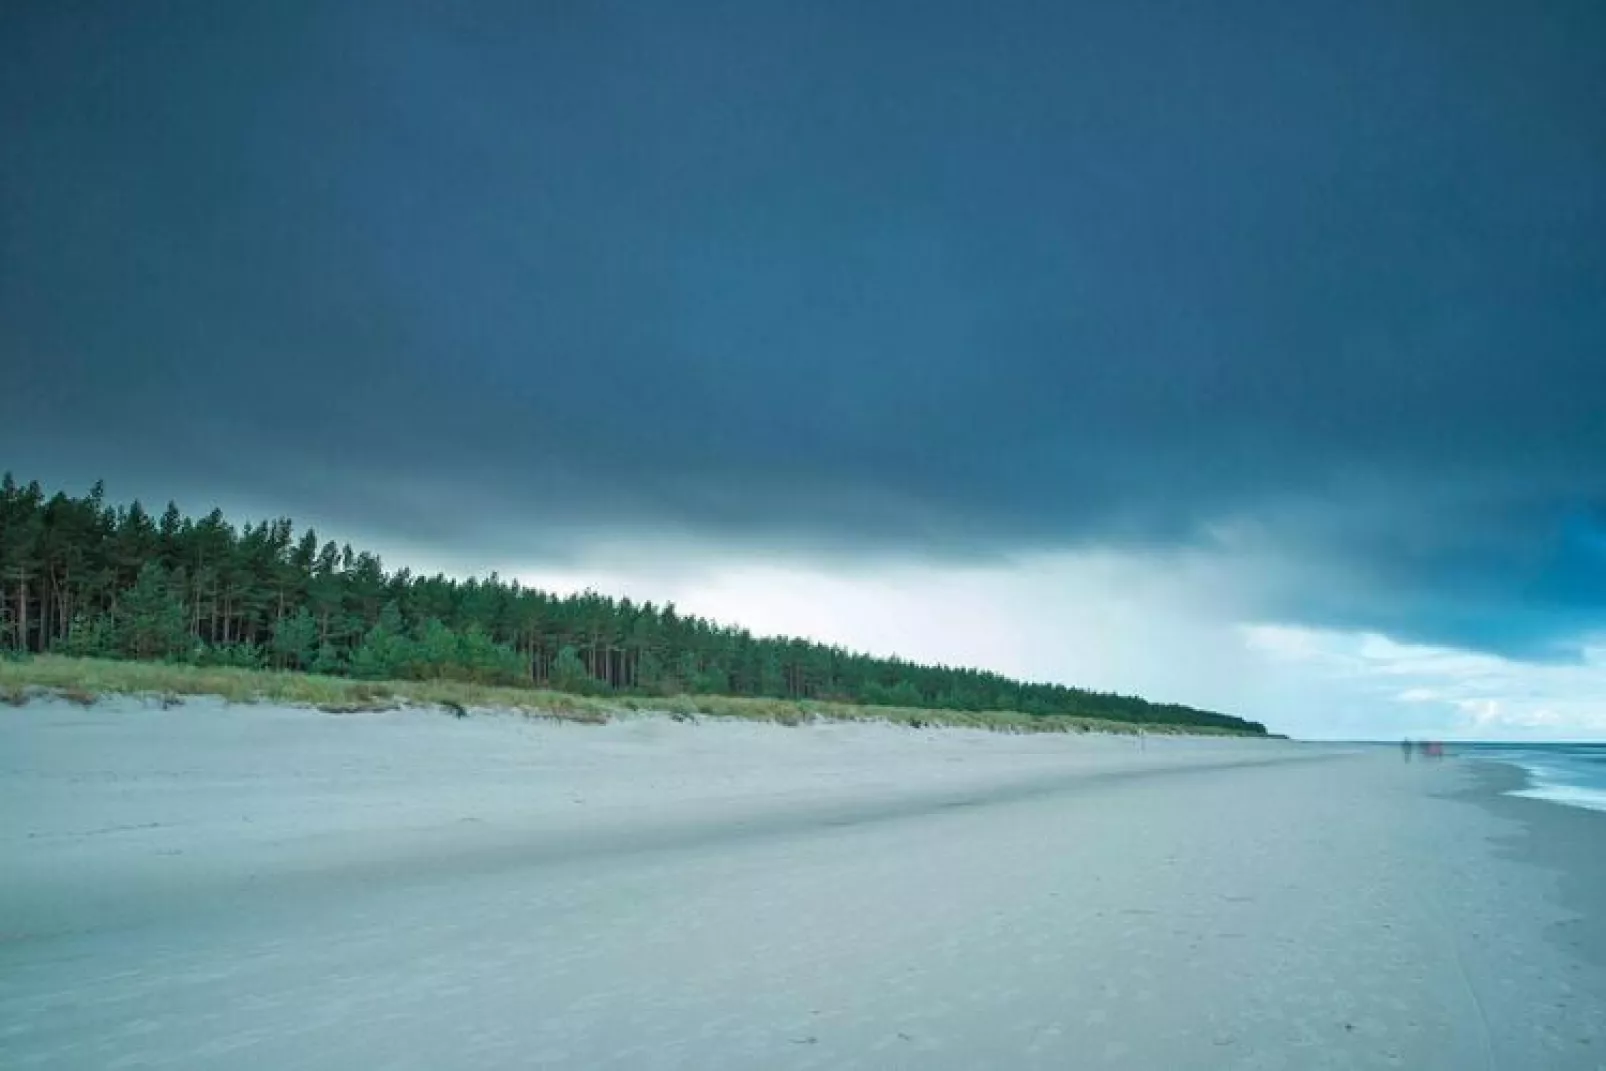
{"x":1574,"y":776}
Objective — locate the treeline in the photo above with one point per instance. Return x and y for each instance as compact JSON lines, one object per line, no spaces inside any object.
{"x":81,"y":577}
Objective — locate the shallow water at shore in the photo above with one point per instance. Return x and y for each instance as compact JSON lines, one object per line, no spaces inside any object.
{"x":1570,"y":774}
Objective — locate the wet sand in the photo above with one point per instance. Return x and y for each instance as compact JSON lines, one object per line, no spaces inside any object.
{"x":225,"y":887}
{"x":1568,"y":843}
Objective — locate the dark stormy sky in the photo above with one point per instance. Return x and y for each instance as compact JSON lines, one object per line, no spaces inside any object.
{"x":935,"y":285}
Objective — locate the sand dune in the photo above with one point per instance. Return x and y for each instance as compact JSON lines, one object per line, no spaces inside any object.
{"x":221,"y":887}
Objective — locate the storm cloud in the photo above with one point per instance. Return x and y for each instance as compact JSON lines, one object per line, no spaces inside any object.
{"x":1320,"y":285}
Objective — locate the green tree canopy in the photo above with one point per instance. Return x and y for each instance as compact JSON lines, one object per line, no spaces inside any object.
{"x":79,"y":576}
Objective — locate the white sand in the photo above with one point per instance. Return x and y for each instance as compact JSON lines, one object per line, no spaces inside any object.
{"x":226,"y":887}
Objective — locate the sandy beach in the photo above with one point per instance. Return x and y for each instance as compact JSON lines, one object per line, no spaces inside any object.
{"x":212,"y":886}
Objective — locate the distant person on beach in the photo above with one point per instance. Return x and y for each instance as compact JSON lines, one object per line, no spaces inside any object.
{"x":1406,"y":747}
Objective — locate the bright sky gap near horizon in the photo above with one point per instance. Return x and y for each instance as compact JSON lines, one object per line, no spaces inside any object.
{"x":1251,"y":356}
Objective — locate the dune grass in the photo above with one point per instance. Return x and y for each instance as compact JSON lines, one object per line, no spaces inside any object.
{"x":84,"y":680}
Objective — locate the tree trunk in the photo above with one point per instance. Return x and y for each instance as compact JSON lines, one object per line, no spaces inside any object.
{"x":44,"y":615}
{"x":64,"y":606}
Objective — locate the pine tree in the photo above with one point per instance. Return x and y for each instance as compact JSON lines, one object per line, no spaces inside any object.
{"x":385,"y":652}
{"x":328,"y":661}
{"x":90,"y":637}
{"x":568,"y":672}
{"x":150,"y":618}
{"x":295,"y":639}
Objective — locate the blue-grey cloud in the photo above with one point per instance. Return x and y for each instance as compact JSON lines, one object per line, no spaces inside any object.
{"x":904,"y":278}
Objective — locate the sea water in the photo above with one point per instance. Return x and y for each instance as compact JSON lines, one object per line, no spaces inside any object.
{"x":1571,"y":774}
